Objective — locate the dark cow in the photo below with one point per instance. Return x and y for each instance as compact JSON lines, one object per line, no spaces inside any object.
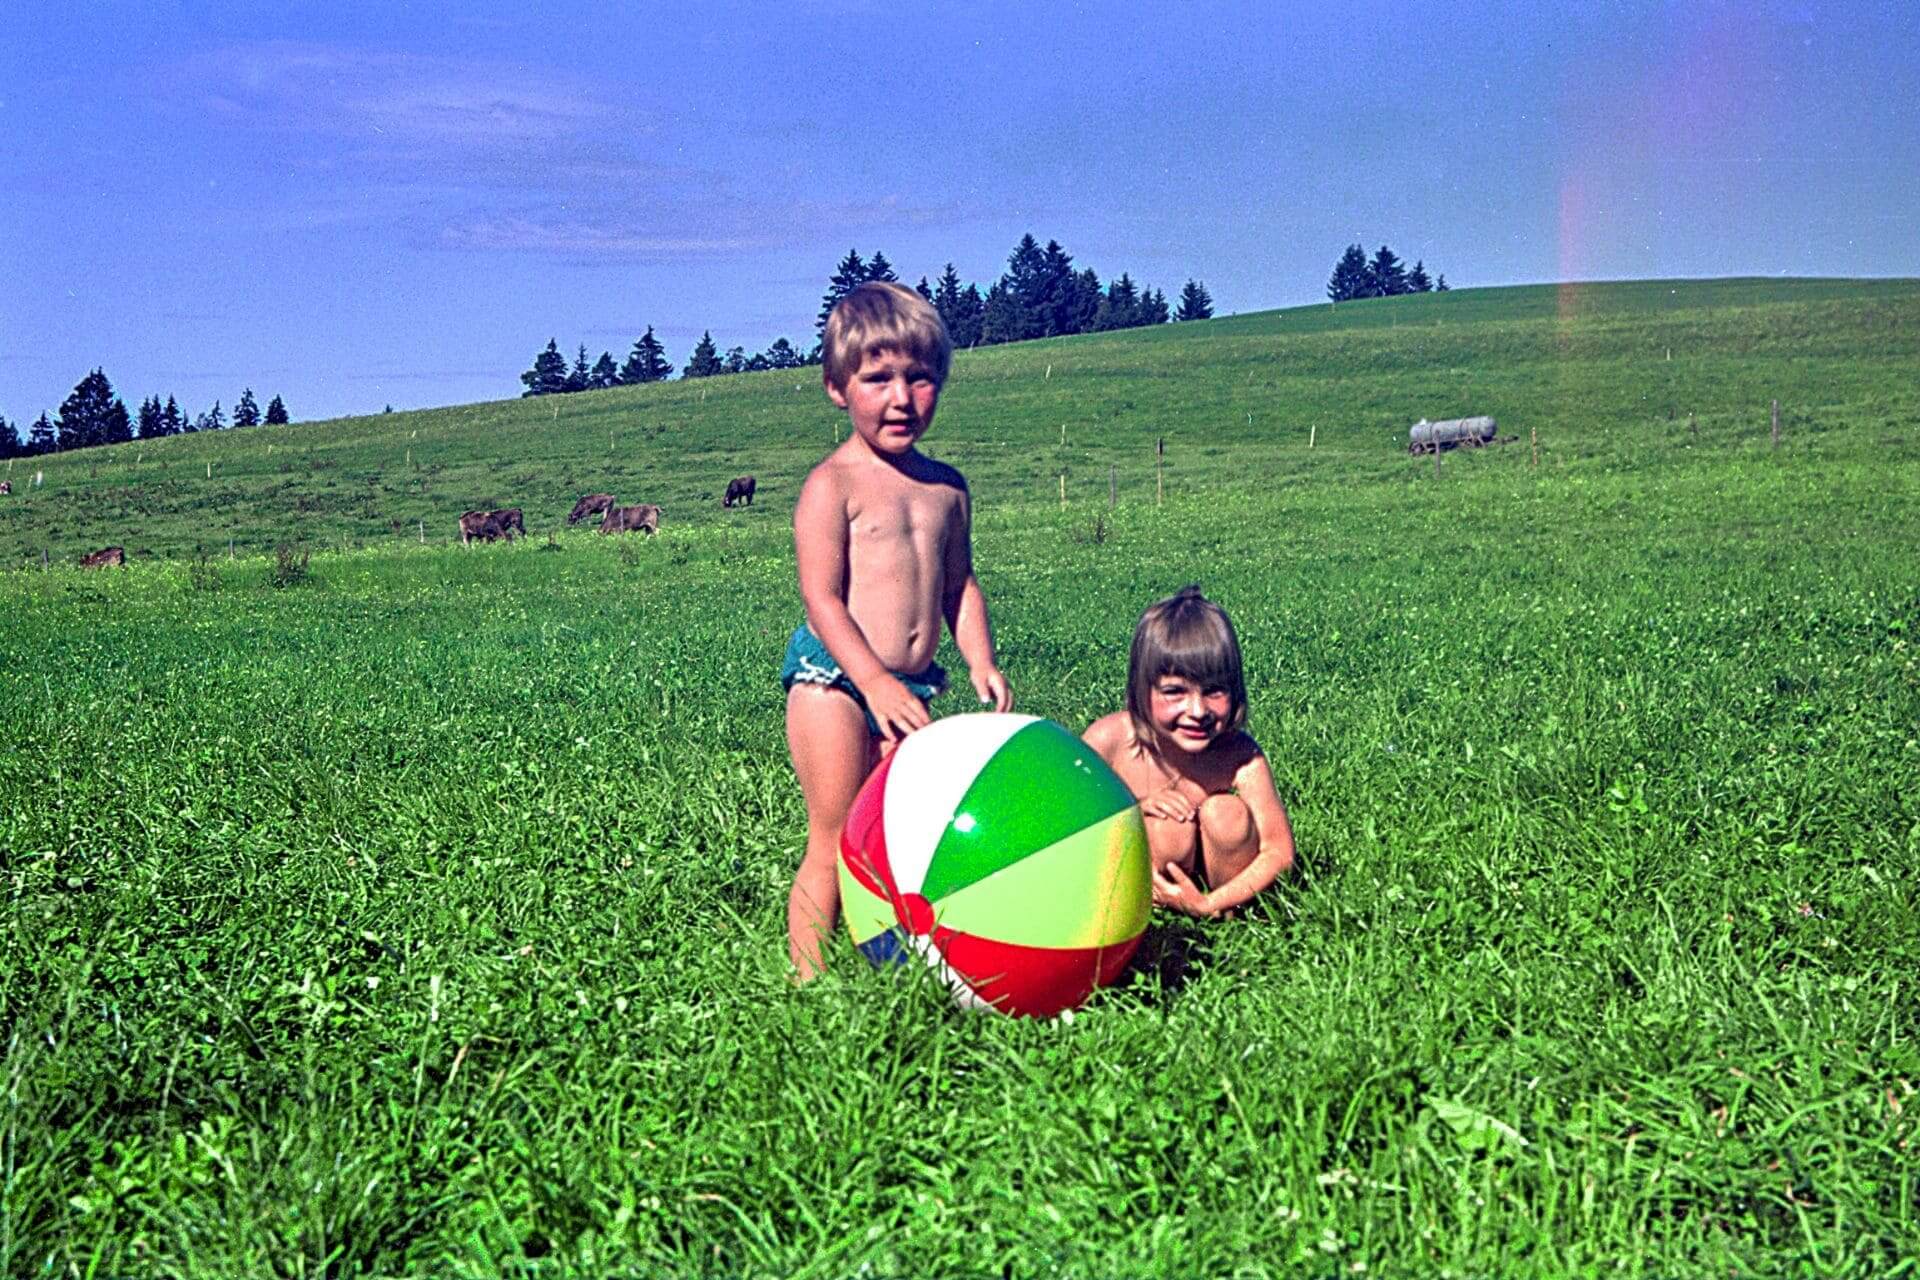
{"x":739,"y":489}
{"x":508,"y":518}
{"x":6,"y":487}
{"x":103,"y":557}
{"x":593,"y":504}
{"x":628,"y":519}
{"x":479,"y":524}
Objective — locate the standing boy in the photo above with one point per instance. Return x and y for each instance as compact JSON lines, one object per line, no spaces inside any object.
{"x":882,"y":535}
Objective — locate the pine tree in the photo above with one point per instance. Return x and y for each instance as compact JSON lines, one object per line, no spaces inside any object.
{"x":1418,"y":281}
{"x":923,"y":290}
{"x":848,"y":276}
{"x":1120,"y":308}
{"x":781,"y":355}
{"x":705,"y":360}
{"x":605,"y":373}
{"x":152,"y":426}
{"x":247,"y":412}
{"x":647,"y":362}
{"x":578,"y":376}
{"x":549,"y":373}
{"x":1153,"y":308}
{"x":973,"y":314}
{"x":174,"y":420}
{"x":92,"y":415}
{"x":44,"y":437}
{"x":759,"y":362}
{"x":878,"y":268}
{"x":1025,"y":284}
{"x":212,"y":419}
{"x":1083,"y":302}
{"x":1001,"y":317}
{"x":1195,"y":302}
{"x":1386,"y":275}
{"x":1441,"y":285}
{"x":10,"y":444}
{"x":736,"y":361}
{"x":1349,"y":276}
{"x":276,"y":413}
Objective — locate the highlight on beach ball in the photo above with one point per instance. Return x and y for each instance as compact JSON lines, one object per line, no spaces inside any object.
{"x":1002,"y":851}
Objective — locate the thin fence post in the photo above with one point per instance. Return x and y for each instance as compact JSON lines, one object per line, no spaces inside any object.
{"x":1776,"y":424}
{"x":1159,"y":457}
{"x":229,"y":546}
{"x":1113,"y":486}
{"x":1312,"y":432}
{"x":1692,"y":429}
{"x":43,"y":558}
{"x":1063,"y":489}
{"x":423,"y":531}
{"x":1535,"y":433}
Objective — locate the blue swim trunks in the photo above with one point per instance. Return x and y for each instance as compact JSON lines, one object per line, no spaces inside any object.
{"x":808,"y":662}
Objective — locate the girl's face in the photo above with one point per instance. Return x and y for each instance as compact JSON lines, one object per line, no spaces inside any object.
{"x":1189,"y":714}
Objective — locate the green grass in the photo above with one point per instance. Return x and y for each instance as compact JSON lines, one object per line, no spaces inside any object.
{"x":425,"y":914}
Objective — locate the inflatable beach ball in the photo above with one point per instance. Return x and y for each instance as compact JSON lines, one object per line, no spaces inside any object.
{"x":1002,"y":851}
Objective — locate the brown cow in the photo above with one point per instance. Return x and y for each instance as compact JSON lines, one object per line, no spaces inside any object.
{"x":593,"y":504}
{"x":104,"y":557}
{"x":739,"y":489}
{"x":509,"y":521}
{"x":628,"y":519}
{"x":484,"y":525}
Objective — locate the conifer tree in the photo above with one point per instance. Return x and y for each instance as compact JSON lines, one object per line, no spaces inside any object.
{"x":44,"y":437}
{"x":214,"y":420}
{"x":1120,"y":308}
{"x":736,"y":360}
{"x":1153,"y":308}
{"x":92,"y":415}
{"x":247,"y":412}
{"x":1386,"y":275}
{"x":10,"y":444}
{"x":1441,"y":285}
{"x":973,"y":313}
{"x":605,"y":373}
{"x":151,"y":425}
{"x":1195,"y":302}
{"x":1418,"y":281}
{"x":1083,"y":305}
{"x":1350,"y":279}
{"x":781,"y":355}
{"x":174,"y":420}
{"x":549,"y":373}
{"x":923,"y":290}
{"x":1001,"y":319}
{"x":276,"y":413}
{"x":848,"y":276}
{"x":648,"y":360}
{"x":758,"y":362}
{"x":878,"y":268}
{"x":578,"y":375}
{"x":1025,"y":287}
{"x":705,"y":360}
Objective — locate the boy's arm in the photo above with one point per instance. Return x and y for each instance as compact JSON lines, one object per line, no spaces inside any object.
{"x":1253,"y":783}
{"x":966,"y":609}
{"x":820,"y":557}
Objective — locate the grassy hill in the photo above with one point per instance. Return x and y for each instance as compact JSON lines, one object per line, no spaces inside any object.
{"x":422,"y":911}
{"x":1607,"y":371}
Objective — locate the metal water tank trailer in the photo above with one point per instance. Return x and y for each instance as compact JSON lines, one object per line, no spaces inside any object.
{"x":1426,"y":437}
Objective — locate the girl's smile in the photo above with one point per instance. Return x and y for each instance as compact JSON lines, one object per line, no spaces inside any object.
{"x":1188,"y":713}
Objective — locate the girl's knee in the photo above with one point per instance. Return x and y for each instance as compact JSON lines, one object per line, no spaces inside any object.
{"x":1225,"y":821}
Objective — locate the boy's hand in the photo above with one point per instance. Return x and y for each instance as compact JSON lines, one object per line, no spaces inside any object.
{"x":1169,"y":802}
{"x":1173,"y":888}
{"x":992,"y":688}
{"x":895,"y":708}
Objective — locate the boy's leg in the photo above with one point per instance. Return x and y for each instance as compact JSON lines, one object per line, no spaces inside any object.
{"x":832,"y":755}
{"x":1229,"y":842}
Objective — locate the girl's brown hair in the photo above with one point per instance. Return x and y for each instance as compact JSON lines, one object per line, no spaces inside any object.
{"x":1189,"y":636}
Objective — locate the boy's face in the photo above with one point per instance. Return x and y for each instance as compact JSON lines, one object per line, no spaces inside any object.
{"x":890,"y":400}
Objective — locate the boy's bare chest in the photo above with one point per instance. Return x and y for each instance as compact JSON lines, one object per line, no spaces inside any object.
{"x":921,"y":519}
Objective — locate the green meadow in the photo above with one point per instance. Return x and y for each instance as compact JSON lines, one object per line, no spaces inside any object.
{"x":389,"y":907}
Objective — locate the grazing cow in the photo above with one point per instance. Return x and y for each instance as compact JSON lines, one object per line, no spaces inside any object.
{"x":508,"y":520}
{"x":104,"y":557}
{"x":628,"y":519}
{"x":6,"y":487}
{"x":484,"y":525}
{"x":593,"y":504}
{"x":739,"y":489}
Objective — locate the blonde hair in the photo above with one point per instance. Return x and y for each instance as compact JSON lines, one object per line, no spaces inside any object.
{"x":883,"y":316}
{"x":1189,"y":636}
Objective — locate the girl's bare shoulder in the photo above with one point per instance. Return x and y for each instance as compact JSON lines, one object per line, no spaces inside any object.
{"x":1109,"y":734}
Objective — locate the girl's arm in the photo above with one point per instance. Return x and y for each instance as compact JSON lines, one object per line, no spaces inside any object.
{"x":1253,"y":783}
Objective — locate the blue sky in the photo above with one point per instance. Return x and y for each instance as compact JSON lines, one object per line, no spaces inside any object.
{"x":353,"y":206}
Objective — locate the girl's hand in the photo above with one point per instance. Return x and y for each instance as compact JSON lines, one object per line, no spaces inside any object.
{"x":1168,"y":802}
{"x":992,"y":687}
{"x":1173,"y":888}
{"x":895,"y":709}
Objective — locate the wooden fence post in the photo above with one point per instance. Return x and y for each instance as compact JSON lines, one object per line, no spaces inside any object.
{"x":1312,"y":431}
{"x":423,"y":531}
{"x":1063,"y":490}
{"x":1776,"y":424}
{"x":1535,"y":432}
{"x":1159,"y":457}
{"x":1113,"y":486}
